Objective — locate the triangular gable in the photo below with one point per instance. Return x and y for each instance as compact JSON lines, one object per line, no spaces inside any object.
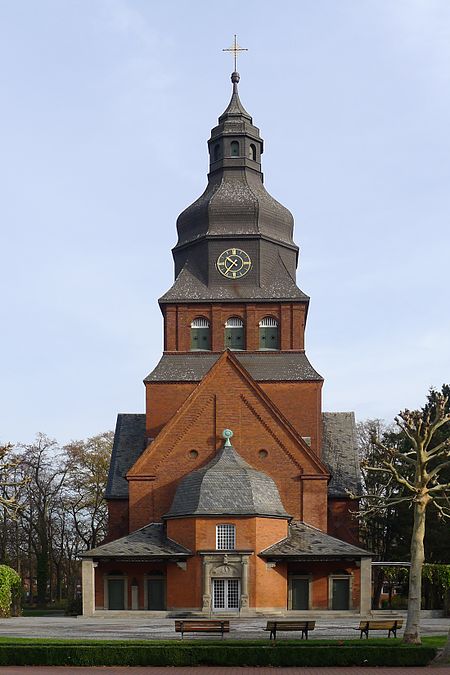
{"x":228,"y":375}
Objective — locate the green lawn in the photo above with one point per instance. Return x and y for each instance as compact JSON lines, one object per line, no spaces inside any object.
{"x":436,"y":641}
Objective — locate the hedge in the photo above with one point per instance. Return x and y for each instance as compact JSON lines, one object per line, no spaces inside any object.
{"x":191,"y":654}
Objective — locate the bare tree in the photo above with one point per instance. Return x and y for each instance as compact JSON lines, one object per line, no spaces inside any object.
{"x":45,"y":471}
{"x":10,"y":481}
{"x":416,"y":471}
{"x":88,"y":464}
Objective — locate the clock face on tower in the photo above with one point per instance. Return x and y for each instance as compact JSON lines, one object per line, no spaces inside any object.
{"x":234,"y":263}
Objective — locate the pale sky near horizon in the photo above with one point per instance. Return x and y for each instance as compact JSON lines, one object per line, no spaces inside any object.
{"x":106,"y":107}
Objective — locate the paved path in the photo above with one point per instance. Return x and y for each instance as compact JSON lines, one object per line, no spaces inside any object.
{"x":163,"y":628}
{"x":215,"y":670}
{"x":138,"y":628}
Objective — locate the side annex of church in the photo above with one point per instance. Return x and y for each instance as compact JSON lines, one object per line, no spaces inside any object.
{"x":230,"y":494}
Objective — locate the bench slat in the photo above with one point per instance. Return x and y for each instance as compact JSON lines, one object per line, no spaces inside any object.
{"x":202,"y":626}
{"x":391,"y":625}
{"x":303,"y":626}
{"x":381,"y":625}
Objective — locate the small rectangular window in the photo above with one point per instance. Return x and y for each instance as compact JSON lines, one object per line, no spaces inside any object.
{"x":225,"y":537}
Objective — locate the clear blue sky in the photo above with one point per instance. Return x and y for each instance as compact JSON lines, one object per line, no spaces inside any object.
{"x":106,"y":106}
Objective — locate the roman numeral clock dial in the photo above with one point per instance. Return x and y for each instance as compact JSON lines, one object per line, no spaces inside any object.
{"x":234,"y":263}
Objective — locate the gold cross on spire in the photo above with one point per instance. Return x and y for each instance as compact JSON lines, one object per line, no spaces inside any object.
{"x":235,"y":49}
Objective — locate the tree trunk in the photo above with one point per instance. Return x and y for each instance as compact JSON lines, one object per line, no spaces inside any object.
{"x":42,"y":577}
{"x":377,"y":588}
{"x":412,"y":630}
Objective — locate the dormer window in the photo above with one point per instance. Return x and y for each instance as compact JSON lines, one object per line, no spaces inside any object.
{"x":252,"y":152}
{"x":234,"y":333}
{"x":225,"y":537}
{"x":268,"y":333}
{"x":234,"y":149}
{"x":200,"y":335}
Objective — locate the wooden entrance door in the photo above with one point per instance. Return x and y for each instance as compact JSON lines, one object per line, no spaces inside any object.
{"x":116,"y":593}
{"x":156,"y":593}
{"x":340,"y":594}
{"x":299,"y":593}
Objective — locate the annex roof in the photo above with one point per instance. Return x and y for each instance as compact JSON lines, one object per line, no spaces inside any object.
{"x":147,"y":543}
{"x":305,"y":542}
{"x":129,"y":442}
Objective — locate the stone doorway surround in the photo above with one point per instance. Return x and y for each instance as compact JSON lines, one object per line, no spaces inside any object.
{"x":225,"y":565}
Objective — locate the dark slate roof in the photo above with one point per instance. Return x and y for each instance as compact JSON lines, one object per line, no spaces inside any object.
{"x":235,"y":107}
{"x":188,"y":287}
{"x":307,"y":542}
{"x":227,"y":486}
{"x":236,"y":204}
{"x":235,"y":200}
{"x":340,"y":452}
{"x":262,"y":366}
{"x":129,"y":442}
{"x":148,"y":542}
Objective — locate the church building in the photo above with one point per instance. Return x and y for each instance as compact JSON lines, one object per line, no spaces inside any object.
{"x":229,"y":495}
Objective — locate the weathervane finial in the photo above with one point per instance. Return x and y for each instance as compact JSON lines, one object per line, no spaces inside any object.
{"x":235,"y":49}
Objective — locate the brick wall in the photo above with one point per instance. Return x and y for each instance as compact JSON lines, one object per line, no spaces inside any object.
{"x":224,"y":399}
{"x":291,"y":319}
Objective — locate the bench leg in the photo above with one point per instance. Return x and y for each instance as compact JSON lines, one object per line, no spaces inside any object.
{"x":273,"y":633}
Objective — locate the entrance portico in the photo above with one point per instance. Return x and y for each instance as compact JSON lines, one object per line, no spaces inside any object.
{"x":225,"y":582}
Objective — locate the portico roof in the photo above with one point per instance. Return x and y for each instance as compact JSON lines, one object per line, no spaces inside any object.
{"x":148,"y":543}
{"x":305,"y":542}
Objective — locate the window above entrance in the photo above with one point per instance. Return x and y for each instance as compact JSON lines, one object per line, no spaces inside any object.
{"x":225,"y":537}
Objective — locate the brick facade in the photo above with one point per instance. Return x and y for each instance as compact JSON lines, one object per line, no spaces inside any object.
{"x":171,"y":559}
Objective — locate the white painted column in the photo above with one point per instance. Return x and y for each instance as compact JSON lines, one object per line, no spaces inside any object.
{"x":244,"y":581}
{"x":365,"y":602}
{"x":88,"y":586}
{"x":134,"y":596}
{"x":206,"y":586}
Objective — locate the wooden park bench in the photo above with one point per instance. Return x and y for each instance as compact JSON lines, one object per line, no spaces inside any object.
{"x":391,"y":625}
{"x":303,"y":626}
{"x":202,"y":626}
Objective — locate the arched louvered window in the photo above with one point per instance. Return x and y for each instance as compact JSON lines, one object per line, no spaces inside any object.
{"x":234,"y":149}
{"x":200,"y":334}
{"x":269,"y":337}
{"x":252,"y":152}
{"x":217,"y":152}
{"x":234,"y":333}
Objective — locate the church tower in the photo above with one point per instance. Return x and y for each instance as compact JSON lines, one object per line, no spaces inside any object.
{"x":229,"y":495}
{"x":235,"y":283}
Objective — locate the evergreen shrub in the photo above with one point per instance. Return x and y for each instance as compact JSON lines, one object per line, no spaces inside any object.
{"x":192,"y":654}
{"x":10,"y":591}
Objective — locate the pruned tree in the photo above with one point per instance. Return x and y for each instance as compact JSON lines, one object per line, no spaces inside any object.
{"x":416,"y":470}
{"x":380,"y":531}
